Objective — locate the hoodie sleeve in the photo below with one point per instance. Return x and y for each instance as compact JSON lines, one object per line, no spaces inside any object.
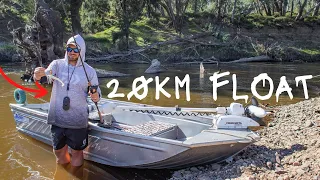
{"x":95,"y":82}
{"x":52,"y":68}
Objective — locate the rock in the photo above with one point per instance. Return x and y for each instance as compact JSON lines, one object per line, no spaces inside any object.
{"x":101,"y":73}
{"x":194,"y":169}
{"x":278,"y":158}
{"x":296,"y":164}
{"x":316,"y":177}
{"x":308,"y":123}
{"x":280,"y":170}
{"x":215,"y":166}
{"x":300,"y":171}
{"x":286,"y":177}
{"x":251,"y":178}
{"x":317,"y":123}
{"x":188,"y":176}
{"x":177,"y":174}
{"x":296,"y":128}
{"x":155,"y":67}
{"x":269,"y":164}
{"x":204,"y":177}
{"x":313,"y":142}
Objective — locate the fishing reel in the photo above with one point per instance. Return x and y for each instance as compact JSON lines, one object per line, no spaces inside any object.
{"x":93,"y":89}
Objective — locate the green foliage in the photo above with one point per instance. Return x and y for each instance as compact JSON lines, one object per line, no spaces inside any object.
{"x":23,"y":9}
{"x":93,"y":15}
{"x":7,"y":47}
{"x":308,"y":51}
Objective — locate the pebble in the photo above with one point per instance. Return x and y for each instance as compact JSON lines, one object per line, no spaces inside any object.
{"x":296,"y":164}
{"x":269,"y":164}
{"x":308,"y":123}
{"x":291,"y":146}
{"x":194,"y":169}
{"x":215,"y":166}
{"x":177,"y":174}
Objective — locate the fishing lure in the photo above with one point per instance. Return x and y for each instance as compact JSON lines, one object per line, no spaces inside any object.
{"x":51,"y":78}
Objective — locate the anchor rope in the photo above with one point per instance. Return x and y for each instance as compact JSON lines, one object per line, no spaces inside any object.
{"x":174,"y":113}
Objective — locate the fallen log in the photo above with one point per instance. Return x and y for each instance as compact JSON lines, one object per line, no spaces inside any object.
{"x":251,"y":59}
{"x":154,"y":45}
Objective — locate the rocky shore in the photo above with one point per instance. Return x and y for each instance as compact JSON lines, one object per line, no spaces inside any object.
{"x":289,"y":149}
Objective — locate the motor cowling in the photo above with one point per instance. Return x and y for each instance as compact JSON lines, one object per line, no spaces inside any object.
{"x":234,"y":122}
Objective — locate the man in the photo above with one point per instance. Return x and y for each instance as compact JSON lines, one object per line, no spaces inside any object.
{"x":68,"y":113}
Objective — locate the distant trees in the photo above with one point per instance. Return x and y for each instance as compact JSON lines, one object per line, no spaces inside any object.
{"x":92,"y":16}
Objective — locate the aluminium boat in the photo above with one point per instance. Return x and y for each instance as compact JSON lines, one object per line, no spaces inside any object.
{"x":144,"y":136}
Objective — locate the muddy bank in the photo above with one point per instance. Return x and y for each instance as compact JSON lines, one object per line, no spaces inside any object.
{"x":288,"y":149}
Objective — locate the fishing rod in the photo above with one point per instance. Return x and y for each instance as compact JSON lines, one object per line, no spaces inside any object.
{"x":92,"y":89}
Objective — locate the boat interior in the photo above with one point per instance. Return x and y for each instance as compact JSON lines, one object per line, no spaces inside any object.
{"x":174,"y":127}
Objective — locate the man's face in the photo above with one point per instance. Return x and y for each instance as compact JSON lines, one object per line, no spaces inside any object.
{"x":72,"y":56}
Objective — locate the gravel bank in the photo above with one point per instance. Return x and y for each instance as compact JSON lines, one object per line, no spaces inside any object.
{"x":288,"y":149}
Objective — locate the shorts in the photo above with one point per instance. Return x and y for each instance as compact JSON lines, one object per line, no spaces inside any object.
{"x":76,"y":139}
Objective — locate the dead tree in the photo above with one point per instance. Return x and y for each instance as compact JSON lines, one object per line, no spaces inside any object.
{"x":41,"y":41}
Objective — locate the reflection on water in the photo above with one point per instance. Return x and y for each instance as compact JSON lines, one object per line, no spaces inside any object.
{"x":24,"y":158}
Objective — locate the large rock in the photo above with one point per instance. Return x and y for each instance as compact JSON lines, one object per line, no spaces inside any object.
{"x":155,"y":67}
{"x":101,"y":73}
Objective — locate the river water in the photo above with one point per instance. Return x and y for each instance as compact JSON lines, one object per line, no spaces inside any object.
{"x":24,"y":158}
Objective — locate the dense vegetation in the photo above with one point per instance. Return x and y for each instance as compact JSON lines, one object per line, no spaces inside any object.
{"x":119,"y":25}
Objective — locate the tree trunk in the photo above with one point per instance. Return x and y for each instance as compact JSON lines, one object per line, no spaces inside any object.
{"x":316,"y":10}
{"x":233,"y":10}
{"x":292,"y":7}
{"x":257,"y":6}
{"x":195,"y":7}
{"x":267,"y":8}
{"x":301,"y":10}
{"x":75,"y":16}
{"x":40,"y":41}
{"x":220,"y":5}
{"x":276,"y":6}
{"x":284,"y":7}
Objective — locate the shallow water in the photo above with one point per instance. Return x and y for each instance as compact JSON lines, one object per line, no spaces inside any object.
{"x":24,"y":158}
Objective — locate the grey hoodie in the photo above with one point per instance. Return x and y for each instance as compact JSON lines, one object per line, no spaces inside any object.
{"x":77,"y":116}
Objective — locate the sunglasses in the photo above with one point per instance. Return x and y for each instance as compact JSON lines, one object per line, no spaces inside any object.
{"x":76,"y":50}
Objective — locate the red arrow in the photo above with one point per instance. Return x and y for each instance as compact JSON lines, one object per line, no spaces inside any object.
{"x":40,"y":91}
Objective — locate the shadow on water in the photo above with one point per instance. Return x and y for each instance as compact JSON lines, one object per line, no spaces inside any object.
{"x":39,"y":160}
{"x":91,"y":170}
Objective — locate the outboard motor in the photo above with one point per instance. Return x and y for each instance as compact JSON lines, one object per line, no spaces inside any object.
{"x":254,"y":112}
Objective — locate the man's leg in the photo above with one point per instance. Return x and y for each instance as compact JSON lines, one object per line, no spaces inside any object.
{"x":60,"y":147}
{"x":62,"y":155}
{"x":77,"y":157}
{"x":77,"y":140}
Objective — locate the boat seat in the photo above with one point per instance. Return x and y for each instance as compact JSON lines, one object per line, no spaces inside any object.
{"x":152,"y":128}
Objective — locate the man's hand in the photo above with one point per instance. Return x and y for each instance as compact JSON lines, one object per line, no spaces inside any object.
{"x":94,"y":97}
{"x":38,"y":73}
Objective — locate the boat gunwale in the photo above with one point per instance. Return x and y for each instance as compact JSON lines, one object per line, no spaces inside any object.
{"x":100,"y":129}
{"x":138,"y":136}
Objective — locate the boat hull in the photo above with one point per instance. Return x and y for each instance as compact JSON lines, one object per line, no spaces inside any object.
{"x":122,"y":149}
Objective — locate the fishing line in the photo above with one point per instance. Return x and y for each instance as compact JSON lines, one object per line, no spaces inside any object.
{"x":93,"y":89}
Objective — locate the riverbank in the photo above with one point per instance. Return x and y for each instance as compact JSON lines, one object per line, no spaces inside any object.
{"x":288,"y":149}
{"x":279,"y":38}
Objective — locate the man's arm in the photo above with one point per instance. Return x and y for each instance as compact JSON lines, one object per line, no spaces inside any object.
{"x":94,"y":82}
{"x":41,"y":71}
